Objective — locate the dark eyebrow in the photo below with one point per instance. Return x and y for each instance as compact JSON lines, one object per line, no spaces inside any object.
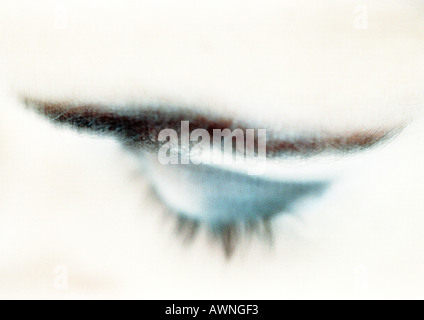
{"x":140,"y":127}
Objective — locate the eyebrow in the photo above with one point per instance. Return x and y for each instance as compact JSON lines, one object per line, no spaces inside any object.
{"x":140,"y":127}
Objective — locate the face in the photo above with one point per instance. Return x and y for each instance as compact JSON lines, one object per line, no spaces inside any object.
{"x":92,"y":212}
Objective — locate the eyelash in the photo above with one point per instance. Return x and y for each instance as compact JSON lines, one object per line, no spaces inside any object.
{"x":227,"y":236}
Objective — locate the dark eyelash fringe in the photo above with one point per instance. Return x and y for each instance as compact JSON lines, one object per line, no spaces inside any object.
{"x":228,"y":236}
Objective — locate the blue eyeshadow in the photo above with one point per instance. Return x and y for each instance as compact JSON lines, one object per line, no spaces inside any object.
{"x":223,"y":197}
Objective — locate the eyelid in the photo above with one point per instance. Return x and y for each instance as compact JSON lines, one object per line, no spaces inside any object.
{"x":211,"y":189}
{"x":229,"y":205}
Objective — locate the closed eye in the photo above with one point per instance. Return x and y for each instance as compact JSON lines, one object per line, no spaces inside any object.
{"x":227,"y":203}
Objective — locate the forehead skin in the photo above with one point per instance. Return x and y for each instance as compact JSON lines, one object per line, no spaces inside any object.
{"x":308,"y":64}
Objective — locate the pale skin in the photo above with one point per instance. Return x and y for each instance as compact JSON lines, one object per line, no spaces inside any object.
{"x":77,"y":205}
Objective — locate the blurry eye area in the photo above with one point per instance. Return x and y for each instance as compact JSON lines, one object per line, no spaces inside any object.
{"x":228,"y":204}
